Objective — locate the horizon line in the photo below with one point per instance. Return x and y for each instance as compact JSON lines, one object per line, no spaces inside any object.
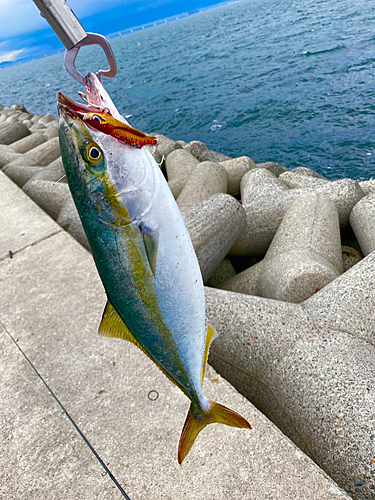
{"x":127,"y":31}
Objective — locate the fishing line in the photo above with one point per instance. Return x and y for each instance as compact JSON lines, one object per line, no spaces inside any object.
{"x":61,"y":178}
{"x":70,"y":418}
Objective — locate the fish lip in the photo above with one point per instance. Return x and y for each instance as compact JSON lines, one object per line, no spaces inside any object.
{"x":76,"y":109}
{"x":73,"y":108}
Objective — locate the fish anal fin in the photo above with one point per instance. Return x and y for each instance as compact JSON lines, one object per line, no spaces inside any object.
{"x":193,"y":425}
{"x":211,"y":335}
{"x":113,"y":326}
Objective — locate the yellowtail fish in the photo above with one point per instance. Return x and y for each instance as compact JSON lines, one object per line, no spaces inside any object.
{"x":143,"y":253}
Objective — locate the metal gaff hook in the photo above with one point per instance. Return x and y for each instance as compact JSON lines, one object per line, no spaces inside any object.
{"x":65,"y":24}
{"x":91,"y":39}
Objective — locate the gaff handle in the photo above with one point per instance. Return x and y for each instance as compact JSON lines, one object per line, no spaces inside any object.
{"x":62,"y":20}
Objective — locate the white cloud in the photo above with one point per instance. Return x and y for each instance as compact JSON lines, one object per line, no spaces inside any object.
{"x":18,"y":17}
{"x":10,"y":56}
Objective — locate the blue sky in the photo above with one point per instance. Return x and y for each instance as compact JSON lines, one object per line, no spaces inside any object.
{"x":24,"y":33}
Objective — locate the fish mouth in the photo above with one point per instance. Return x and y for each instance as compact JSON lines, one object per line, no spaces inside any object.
{"x":68,"y":106}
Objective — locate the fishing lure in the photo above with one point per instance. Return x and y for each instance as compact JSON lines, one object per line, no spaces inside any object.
{"x":122,"y":132}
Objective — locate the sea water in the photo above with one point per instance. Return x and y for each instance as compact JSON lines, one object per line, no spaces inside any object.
{"x":291,"y":82}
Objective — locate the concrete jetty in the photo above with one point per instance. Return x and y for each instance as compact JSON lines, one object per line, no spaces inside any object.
{"x":294,"y":310}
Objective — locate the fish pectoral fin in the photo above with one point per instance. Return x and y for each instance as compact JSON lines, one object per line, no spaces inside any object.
{"x":151,"y":242}
{"x":113,"y":326}
{"x":211,"y":335}
{"x":193,"y":425}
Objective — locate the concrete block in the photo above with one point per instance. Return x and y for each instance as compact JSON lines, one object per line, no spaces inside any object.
{"x":264,"y":202}
{"x":37,"y":127}
{"x":164,"y":147}
{"x":7,"y":155}
{"x":347,"y":303}
{"x":46,"y":153}
{"x":311,"y":223}
{"x":196,"y":148}
{"x":42,"y":155}
{"x":176,"y":186}
{"x":21,"y":174}
{"x":28,"y":123}
{"x":266,"y":199}
{"x":246,"y":282}
{"x":52,"y":130}
{"x":4,"y":113}
{"x":22,"y":222}
{"x":350,"y":257}
{"x":213,"y":156}
{"x":12,"y":132}
{"x":345,"y":193}
{"x":236,"y":168}
{"x":35,"y":118}
{"x":24,"y":116}
{"x":260,"y":184}
{"x":304,"y":256}
{"x":47,"y":119}
{"x":362,"y":221}
{"x":262,"y":222}
{"x":27,"y":143}
{"x":295,"y":276}
{"x":207,"y":179}
{"x":69,"y":220}
{"x":368,"y":187}
{"x":19,"y":107}
{"x":213,"y":226}
{"x":272,"y":167}
{"x":296,"y":180}
{"x":315,"y":383}
{"x":180,"y":164}
{"x":12,"y":119}
{"x":53,"y":172}
{"x":309,"y":172}
{"x":48,"y":195}
{"x":222,"y":273}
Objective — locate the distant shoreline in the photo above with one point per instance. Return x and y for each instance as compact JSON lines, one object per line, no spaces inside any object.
{"x":128,"y":31}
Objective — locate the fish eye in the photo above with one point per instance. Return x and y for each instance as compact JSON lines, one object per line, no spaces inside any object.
{"x":94,"y":158}
{"x":97,"y":118}
{"x":94,"y":153}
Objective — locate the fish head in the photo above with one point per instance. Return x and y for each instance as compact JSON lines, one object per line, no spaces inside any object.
{"x":112,"y":181}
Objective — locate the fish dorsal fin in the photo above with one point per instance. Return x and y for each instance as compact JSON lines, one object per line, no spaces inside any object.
{"x":211,"y":335}
{"x":113,"y":326}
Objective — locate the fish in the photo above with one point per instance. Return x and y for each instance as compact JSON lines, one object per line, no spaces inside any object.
{"x":143,"y":253}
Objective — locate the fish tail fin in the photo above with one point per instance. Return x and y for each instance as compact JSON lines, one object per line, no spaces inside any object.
{"x":193,"y":425}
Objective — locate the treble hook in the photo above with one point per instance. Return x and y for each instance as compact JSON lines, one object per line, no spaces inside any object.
{"x":73,"y":36}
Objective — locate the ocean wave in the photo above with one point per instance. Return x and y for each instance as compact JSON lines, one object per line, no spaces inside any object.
{"x":324,"y":51}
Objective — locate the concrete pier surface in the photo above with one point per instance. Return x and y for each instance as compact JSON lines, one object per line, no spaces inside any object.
{"x":52,"y":362}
